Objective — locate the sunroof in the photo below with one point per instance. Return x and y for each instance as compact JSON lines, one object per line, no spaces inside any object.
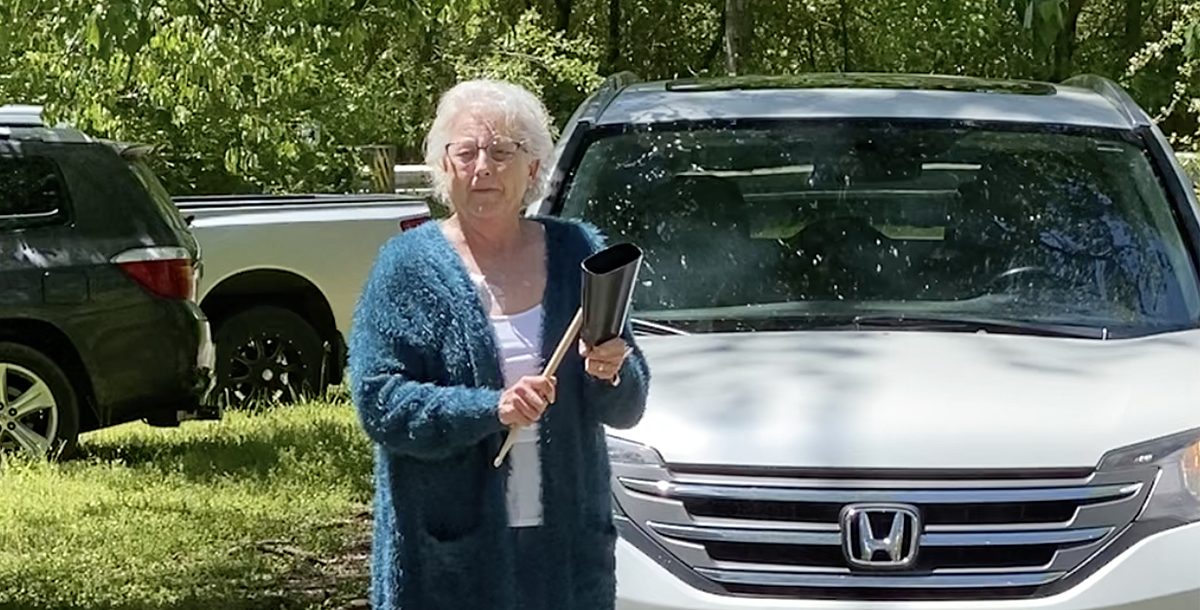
{"x":862,"y":81}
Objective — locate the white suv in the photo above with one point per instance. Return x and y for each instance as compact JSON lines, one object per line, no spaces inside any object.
{"x":916,"y":342}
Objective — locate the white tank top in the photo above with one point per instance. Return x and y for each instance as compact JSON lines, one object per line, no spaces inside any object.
{"x":518,"y":338}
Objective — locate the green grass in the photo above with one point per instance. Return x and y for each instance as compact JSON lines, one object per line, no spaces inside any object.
{"x":268,"y":510}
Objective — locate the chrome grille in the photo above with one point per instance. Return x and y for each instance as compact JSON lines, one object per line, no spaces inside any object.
{"x":749,"y":533}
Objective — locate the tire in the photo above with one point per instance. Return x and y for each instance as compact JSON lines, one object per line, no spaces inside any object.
{"x":54,"y":417}
{"x":267,"y":355}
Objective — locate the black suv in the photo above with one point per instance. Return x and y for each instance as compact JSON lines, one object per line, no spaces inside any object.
{"x":98,"y":273}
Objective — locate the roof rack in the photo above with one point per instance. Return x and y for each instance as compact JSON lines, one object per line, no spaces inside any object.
{"x":1114,"y":94}
{"x":605,"y":94}
{"x":21,"y":115}
{"x":861,"y":80}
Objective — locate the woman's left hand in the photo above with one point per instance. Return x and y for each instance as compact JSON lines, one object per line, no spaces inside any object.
{"x":604,"y":361}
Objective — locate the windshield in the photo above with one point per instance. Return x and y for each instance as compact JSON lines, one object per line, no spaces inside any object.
{"x":783,"y":226}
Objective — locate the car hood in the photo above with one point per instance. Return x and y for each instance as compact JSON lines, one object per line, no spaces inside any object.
{"x":909,"y":399}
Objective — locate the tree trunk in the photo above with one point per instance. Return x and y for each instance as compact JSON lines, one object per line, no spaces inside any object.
{"x":810,"y":33}
{"x":564,"y":15}
{"x":844,"y":5}
{"x":1064,"y":46}
{"x":737,"y":29}
{"x":718,"y":42}
{"x":614,"y":35}
{"x":1134,"y":17}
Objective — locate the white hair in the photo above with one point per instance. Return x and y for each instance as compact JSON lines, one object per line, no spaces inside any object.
{"x":513,"y":107}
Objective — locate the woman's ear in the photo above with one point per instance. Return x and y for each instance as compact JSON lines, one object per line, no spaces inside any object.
{"x":533,"y":168}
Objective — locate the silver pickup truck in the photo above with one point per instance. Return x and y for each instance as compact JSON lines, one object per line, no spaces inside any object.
{"x":280,"y":280}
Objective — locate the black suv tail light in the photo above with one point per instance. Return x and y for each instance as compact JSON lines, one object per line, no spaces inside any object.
{"x":165,"y":272}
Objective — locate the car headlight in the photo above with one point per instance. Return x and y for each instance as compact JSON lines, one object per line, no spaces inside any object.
{"x":635,"y":460}
{"x":622,"y":452}
{"x":1176,"y":495}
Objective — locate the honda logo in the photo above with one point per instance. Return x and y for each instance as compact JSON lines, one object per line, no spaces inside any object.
{"x":880,"y":536}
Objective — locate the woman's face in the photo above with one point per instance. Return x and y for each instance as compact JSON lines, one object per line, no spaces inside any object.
{"x":488,"y":169}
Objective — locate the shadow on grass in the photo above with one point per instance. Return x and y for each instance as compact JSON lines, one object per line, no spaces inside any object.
{"x":230,"y":601}
{"x":260,"y":452}
{"x":196,"y":604}
{"x":319,"y":566}
{"x":260,"y":575}
{"x":225,"y":600}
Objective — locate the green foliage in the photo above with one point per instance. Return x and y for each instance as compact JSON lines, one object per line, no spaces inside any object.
{"x":1191,"y":165}
{"x":274,"y":95}
{"x":1172,"y":65}
{"x":561,"y":70}
{"x":1044,"y":19}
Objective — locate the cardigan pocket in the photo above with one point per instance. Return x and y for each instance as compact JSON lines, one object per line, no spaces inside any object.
{"x":457,"y":574}
{"x":594,"y":569}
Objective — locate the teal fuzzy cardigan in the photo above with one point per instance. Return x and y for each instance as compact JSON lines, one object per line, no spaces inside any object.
{"x":426,"y":381}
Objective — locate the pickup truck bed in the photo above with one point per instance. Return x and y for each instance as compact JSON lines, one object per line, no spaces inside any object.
{"x":281,"y":277}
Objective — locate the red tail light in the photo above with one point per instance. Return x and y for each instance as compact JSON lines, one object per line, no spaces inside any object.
{"x":163,"y":272}
{"x":412,"y":223}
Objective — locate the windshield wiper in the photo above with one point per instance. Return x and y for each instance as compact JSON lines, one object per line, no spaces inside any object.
{"x":654,"y":328}
{"x":987,"y":325}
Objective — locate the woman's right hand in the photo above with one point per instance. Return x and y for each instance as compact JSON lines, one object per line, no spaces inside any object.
{"x":524,"y":403}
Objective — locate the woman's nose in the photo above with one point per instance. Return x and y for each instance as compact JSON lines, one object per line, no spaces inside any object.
{"x":483,"y":165}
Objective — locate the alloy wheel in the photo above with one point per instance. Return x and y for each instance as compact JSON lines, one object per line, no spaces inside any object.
{"x":28,"y":412}
{"x":265,"y":368}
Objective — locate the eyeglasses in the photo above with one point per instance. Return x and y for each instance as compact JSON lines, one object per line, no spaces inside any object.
{"x":501,"y":150}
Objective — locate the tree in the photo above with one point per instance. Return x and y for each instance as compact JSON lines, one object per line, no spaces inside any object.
{"x":279,"y":96}
{"x":273,"y":96}
{"x":737,"y":29}
{"x":1052,"y":25}
{"x":1175,"y":56}
{"x":614,"y":34}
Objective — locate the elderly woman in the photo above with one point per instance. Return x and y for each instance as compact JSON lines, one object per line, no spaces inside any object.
{"x":448,"y":343}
